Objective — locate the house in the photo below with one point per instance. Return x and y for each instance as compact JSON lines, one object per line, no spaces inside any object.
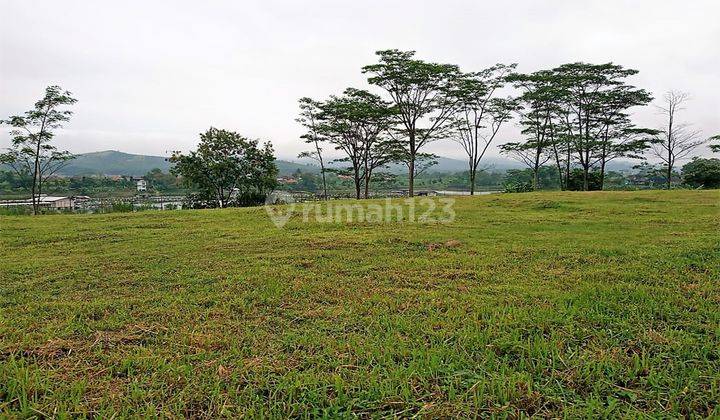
{"x":141,"y":185}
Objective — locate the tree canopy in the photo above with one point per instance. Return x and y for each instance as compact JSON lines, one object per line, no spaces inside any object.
{"x":32,"y":154}
{"x":227,"y":169}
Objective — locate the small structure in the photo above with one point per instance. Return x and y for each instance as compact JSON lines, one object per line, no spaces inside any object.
{"x":141,"y":185}
{"x":284,"y":180}
{"x":48,"y":202}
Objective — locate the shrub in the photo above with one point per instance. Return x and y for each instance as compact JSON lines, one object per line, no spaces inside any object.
{"x":703,"y":173}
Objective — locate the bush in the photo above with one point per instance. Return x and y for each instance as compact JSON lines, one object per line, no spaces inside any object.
{"x":518,"y":187}
{"x":702,"y":173}
{"x":120,"y":207}
{"x":575,"y":183}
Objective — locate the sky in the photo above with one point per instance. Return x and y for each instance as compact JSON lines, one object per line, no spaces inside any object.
{"x":149,"y":76}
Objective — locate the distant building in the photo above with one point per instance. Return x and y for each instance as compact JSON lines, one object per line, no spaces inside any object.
{"x":49,"y":202}
{"x":286,"y":180}
{"x":141,"y":185}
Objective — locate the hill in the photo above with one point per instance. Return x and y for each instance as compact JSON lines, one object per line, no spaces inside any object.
{"x":551,"y":305}
{"x":111,"y":162}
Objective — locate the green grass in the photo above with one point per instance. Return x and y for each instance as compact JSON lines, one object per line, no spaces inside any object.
{"x":552,"y":304}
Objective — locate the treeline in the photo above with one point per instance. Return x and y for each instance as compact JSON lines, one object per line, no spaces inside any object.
{"x":157,"y":181}
{"x":575,"y":117}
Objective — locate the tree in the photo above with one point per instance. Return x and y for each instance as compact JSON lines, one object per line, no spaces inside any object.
{"x":537,"y":108}
{"x":32,"y":151}
{"x":532,"y":153}
{"x":593,"y":100}
{"x":618,"y":136}
{"x":676,"y":140}
{"x":479,"y":113}
{"x":423,"y":162}
{"x":421,"y":94}
{"x":228,"y":168}
{"x":310,"y":114}
{"x":703,"y":173}
{"x":356,"y":124}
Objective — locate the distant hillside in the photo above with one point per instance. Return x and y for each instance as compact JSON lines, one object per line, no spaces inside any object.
{"x":111,"y":162}
{"x":449,"y":165}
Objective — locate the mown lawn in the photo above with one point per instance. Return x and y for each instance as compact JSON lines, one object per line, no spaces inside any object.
{"x":553,"y":304}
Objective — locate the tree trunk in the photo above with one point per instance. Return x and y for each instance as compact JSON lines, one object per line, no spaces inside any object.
{"x":472,"y":180}
{"x":36,"y":179}
{"x":357,"y":183}
{"x":567,"y":169}
{"x":34,"y":198}
{"x":325,"y":194}
{"x":368,"y":174}
{"x":411,"y":175}
{"x":602,"y":175}
{"x":586,"y":183}
{"x":411,"y":166}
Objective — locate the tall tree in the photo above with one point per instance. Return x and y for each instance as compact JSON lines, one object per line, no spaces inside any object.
{"x":356,"y":123}
{"x":423,"y":161}
{"x":618,"y":136}
{"x":538,"y":109}
{"x":32,"y":151}
{"x":591,"y":96}
{"x":310,"y":115}
{"x":677,"y":139}
{"x":421,"y":93}
{"x":480,"y":113}
{"x":227,"y":168}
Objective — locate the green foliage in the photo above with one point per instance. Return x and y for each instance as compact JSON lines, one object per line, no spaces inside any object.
{"x":577,"y":115}
{"x":480,"y":112}
{"x":227,"y":169}
{"x":578,"y":181}
{"x":32,"y":154}
{"x":121,"y":207}
{"x":715,"y":147}
{"x":703,"y":173}
{"x":518,"y":187}
{"x":547,"y":178}
{"x":356,"y":124}
{"x":161,"y":181}
{"x":553,"y":305}
{"x":422,"y":93}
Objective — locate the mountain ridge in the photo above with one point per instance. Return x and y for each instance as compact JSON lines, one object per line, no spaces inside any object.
{"x":114,"y":162}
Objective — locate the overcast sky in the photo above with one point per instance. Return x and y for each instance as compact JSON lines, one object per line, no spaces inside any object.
{"x":151,"y":75}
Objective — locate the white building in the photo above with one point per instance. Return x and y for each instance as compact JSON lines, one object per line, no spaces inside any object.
{"x":47,"y":201}
{"x":141,"y":185}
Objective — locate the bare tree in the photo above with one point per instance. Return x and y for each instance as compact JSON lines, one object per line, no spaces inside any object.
{"x":676,"y":140}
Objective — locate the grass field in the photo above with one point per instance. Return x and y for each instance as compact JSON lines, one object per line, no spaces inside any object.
{"x":553,"y":304}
